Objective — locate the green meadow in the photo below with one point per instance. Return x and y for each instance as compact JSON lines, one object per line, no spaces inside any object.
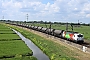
{"x":9,"y":36}
{"x":12,"y":47}
{"x":6,"y":32}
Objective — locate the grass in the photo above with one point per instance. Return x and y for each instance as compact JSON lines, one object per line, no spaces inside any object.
{"x":12,"y":47}
{"x":21,"y":58}
{"x":7,"y":32}
{"x":2,"y":26}
{"x":53,"y":50}
{"x":9,"y":36}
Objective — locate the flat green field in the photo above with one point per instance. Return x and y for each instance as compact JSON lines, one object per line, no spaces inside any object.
{"x":22,"y":58}
{"x":53,"y":50}
{"x":12,"y":47}
{"x":4,"y":28}
{"x":7,"y":32}
{"x":9,"y":36}
{"x":82,"y":29}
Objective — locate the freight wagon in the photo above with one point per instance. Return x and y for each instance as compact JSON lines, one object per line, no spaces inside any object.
{"x":69,"y":35}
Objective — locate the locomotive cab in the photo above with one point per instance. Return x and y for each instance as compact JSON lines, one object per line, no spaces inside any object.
{"x":78,"y":37}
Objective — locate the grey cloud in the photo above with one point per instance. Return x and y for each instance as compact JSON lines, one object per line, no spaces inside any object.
{"x":87,"y":12}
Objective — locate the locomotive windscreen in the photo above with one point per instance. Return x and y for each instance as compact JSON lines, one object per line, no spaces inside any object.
{"x":80,"y":35}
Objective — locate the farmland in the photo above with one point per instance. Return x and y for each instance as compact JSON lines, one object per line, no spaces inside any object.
{"x":12,"y":47}
{"x":53,"y":50}
{"x":82,"y":29}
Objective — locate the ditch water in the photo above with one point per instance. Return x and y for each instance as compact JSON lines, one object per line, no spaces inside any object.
{"x":36,"y":51}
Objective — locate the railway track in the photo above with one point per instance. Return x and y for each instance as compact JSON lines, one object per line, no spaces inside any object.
{"x":86,"y":44}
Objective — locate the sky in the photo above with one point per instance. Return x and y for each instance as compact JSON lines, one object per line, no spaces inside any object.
{"x":46,"y":10}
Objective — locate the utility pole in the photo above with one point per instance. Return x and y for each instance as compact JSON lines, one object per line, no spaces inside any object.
{"x":3,"y":17}
{"x":27,"y":17}
{"x":67,"y":26}
{"x":50,"y":27}
{"x":78,"y":21}
{"x":72,"y":26}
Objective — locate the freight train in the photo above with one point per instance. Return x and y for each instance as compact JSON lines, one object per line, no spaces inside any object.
{"x":69,"y":35}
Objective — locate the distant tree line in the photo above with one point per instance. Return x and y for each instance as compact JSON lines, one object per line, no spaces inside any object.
{"x":45,"y":22}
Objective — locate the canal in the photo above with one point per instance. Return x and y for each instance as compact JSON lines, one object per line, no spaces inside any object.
{"x":36,"y":51}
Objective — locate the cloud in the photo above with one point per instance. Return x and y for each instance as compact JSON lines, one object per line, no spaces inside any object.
{"x":88,"y":15}
{"x":57,"y":10}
